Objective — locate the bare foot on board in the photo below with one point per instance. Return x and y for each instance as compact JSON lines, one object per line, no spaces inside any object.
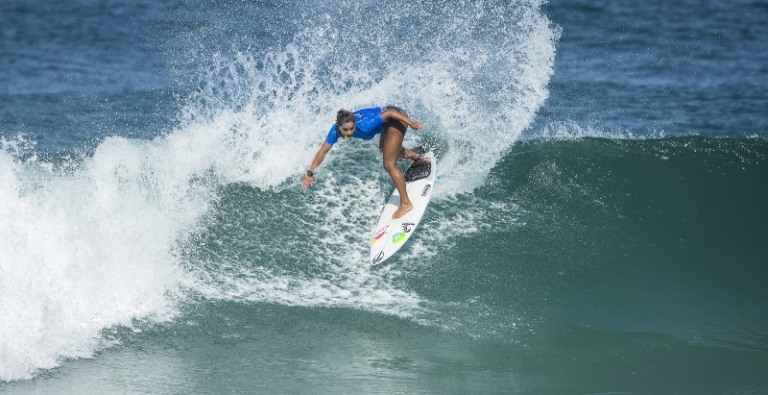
{"x":420,"y":160}
{"x":402,"y":210}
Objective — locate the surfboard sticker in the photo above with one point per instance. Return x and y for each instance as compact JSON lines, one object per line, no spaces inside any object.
{"x":391,"y":234}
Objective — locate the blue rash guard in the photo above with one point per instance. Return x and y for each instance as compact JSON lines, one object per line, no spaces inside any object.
{"x":368,"y":123}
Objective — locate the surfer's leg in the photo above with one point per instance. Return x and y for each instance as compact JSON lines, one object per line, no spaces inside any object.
{"x":390,"y":143}
{"x":405,"y":153}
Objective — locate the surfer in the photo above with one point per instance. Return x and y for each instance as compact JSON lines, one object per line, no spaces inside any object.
{"x":390,"y":123}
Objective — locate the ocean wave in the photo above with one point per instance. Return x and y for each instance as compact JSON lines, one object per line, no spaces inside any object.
{"x":123,"y":234}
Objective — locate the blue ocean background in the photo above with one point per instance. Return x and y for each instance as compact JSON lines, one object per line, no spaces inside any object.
{"x":599,"y":226}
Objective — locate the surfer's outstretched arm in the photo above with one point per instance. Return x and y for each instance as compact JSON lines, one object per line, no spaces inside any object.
{"x":401,"y":116}
{"x":309,"y":178}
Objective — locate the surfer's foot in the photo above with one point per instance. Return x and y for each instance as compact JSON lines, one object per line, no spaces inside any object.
{"x":402,"y":210}
{"x":416,"y":158}
{"x":419,"y":160}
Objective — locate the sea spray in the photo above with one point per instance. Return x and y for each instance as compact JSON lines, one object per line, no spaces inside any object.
{"x":475,"y":74}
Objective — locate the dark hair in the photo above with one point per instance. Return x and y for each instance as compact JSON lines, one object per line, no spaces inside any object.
{"x":344,"y":116}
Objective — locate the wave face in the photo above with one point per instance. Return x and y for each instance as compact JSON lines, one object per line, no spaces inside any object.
{"x":122,"y":229}
{"x":651,"y":235}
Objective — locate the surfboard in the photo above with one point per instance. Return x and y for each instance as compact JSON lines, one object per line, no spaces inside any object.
{"x":390,"y":234}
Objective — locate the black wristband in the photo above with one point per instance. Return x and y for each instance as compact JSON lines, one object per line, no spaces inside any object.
{"x":310,"y":173}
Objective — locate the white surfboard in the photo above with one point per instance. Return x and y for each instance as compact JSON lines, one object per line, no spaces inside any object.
{"x":390,"y":234}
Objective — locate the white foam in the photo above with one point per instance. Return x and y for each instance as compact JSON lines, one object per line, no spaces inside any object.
{"x":81,"y":251}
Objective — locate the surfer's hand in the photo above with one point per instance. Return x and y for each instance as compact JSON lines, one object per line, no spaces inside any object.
{"x":307,"y":181}
{"x":416,"y":125}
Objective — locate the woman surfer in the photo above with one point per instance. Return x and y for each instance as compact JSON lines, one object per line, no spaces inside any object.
{"x":390,"y":123}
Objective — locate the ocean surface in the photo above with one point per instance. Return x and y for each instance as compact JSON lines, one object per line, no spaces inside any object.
{"x":600,"y":224}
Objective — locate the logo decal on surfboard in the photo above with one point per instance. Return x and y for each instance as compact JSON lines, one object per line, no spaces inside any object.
{"x":399,"y":237}
{"x":379,"y":234}
{"x":378,"y":258}
{"x":408,"y":227}
{"x":426,"y":189}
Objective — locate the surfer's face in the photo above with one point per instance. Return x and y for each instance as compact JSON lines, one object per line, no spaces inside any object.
{"x":346,"y":129}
